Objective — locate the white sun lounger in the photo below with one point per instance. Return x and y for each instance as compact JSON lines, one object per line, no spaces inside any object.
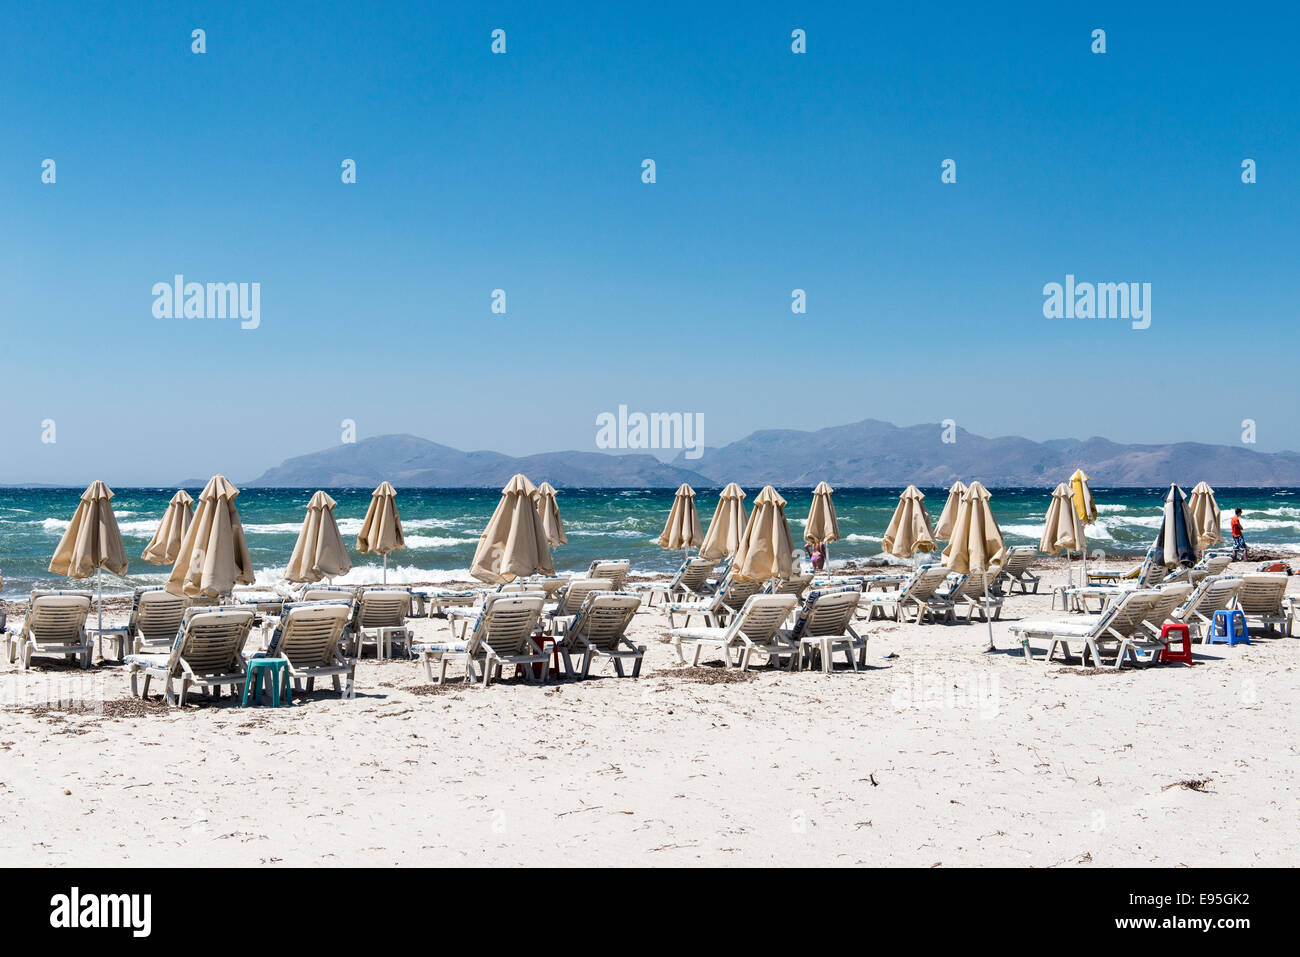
{"x":1015,"y":571}
{"x":568,"y":601}
{"x":1121,"y":620}
{"x":503,"y":634}
{"x":380,"y":620}
{"x":55,"y":626}
{"x":823,"y":625}
{"x":919,"y":592}
{"x":1212,"y":594}
{"x":613,"y":572}
{"x":756,"y":629}
{"x":309,"y":637}
{"x":599,"y":630}
{"x":1261,"y":596}
{"x":689,"y":579}
{"x":207,"y":652}
{"x":155,"y":618}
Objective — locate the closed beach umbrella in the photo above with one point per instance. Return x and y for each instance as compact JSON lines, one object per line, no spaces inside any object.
{"x":1206,"y":520}
{"x":166,"y":542}
{"x":319,"y":552}
{"x":976,"y":541}
{"x":1085,"y":507}
{"x":92,"y":542}
{"x":943,"y":527}
{"x":682,"y":530}
{"x":766,"y":548}
{"x":1062,"y":530}
{"x":1062,"y":527}
{"x":214,"y":553}
{"x":514,"y":543}
{"x":1176,"y":541}
{"x":823,"y":526}
{"x":727,"y":525}
{"x":381,"y":530}
{"x":909,"y":528}
{"x":550,"y":512}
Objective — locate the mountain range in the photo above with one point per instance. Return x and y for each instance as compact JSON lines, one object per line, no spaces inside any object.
{"x":867,"y":453}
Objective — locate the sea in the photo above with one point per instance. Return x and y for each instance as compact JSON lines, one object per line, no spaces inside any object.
{"x":442,"y":526}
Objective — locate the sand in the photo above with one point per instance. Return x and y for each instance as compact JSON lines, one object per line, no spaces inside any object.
{"x":936,"y":755}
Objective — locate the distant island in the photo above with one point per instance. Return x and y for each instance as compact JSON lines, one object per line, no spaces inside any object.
{"x":869,"y":453}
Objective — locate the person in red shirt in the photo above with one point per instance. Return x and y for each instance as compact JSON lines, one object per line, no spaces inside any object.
{"x":1238,"y":538}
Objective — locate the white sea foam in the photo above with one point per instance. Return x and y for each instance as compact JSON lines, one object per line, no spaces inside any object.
{"x":436,"y":541}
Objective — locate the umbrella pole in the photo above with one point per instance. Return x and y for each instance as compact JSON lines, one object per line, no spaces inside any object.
{"x":988,"y":615}
{"x":99,"y":587}
{"x":385,"y":568}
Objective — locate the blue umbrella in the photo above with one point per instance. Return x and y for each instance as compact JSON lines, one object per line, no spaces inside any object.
{"x":1175,"y":544}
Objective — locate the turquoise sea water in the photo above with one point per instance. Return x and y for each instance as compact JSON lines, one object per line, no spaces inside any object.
{"x":442,"y":526}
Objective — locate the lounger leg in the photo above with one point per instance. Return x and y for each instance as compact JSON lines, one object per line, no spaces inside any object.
{"x":586,"y":663}
{"x":636,"y":664}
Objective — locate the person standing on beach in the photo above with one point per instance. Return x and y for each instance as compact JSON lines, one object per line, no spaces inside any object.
{"x":1238,"y":538}
{"x":817,"y":553}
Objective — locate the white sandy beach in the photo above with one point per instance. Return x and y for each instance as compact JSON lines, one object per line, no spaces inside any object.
{"x":940,"y":756}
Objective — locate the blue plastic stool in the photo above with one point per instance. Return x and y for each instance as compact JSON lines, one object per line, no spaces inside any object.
{"x":1225,"y":628}
{"x":276,"y":673}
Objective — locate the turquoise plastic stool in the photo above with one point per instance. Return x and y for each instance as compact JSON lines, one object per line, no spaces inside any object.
{"x":276,"y":672}
{"x":1225,"y":630}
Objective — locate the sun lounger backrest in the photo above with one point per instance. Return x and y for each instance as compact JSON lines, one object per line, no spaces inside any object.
{"x":1261,"y":593}
{"x":383,"y":607}
{"x":576,"y":592}
{"x":924,"y":583}
{"x":547,"y":586}
{"x":1171,"y":596}
{"x":826,"y":612}
{"x":1018,"y":560}
{"x":761,"y":617}
{"x":328,"y":593}
{"x":309,"y":633}
{"x":603,"y":619}
{"x":794,"y":585}
{"x":157,"y":616}
{"x":692,"y":576}
{"x":506,"y":624}
{"x":614,"y":572}
{"x":1217,"y":563}
{"x":211,"y":639}
{"x":57,"y":618}
{"x":1129,"y":611}
{"x":1210,"y":595}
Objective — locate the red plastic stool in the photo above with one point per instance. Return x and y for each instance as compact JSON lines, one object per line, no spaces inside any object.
{"x":1185,"y":656}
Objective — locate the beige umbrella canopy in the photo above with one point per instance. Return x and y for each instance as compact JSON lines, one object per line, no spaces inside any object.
{"x":682,"y":530}
{"x":319,"y":552}
{"x":766,"y":548}
{"x":514,"y":543}
{"x":166,"y":542}
{"x":909,"y":529}
{"x":943,"y":527}
{"x":822,"y":525}
{"x":92,"y":542}
{"x":1207,"y":522}
{"x":727,"y":525}
{"x":976,"y":541}
{"x":1062,"y":529}
{"x":214,"y":553}
{"x":549,"y":509}
{"x":381,"y":529}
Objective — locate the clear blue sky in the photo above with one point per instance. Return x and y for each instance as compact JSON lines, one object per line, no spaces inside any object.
{"x":523,"y":172}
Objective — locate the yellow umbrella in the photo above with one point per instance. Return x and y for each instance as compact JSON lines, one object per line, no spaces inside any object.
{"x":214,"y":553}
{"x":909,"y":528}
{"x":976,"y":542}
{"x":514,"y":543}
{"x":319,"y":552}
{"x":766,"y":548}
{"x":549,"y":509}
{"x":166,"y":542}
{"x":1206,"y":519}
{"x":381,"y":529}
{"x":727,"y":525}
{"x":682,"y":530}
{"x":92,"y":542}
{"x":823,"y":526}
{"x":943,"y":527}
{"x":1085,"y":507}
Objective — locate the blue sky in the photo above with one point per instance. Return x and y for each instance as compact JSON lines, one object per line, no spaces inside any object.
{"x":522,"y":171}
